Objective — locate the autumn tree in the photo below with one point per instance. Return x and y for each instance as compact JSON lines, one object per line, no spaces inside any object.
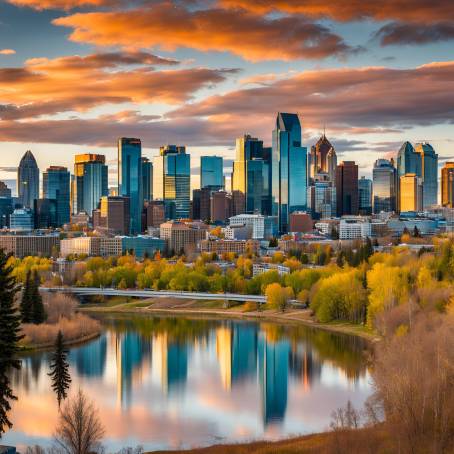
{"x":79,"y":429}
{"x":278,"y":296}
{"x":59,"y":369}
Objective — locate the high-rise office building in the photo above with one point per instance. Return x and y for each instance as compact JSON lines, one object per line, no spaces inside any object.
{"x":113,"y":216}
{"x":411,"y":192}
{"x":429,"y":173}
{"x":5,"y":191}
{"x":56,"y":186}
{"x":321,"y":200}
{"x":172,"y":180}
{"x":212,"y":172}
{"x":252,"y":174}
{"x":347,"y":188}
{"x":289,"y":169}
{"x":365,"y":196}
{"x":45,"y":212}
{"x":384,"y":176}
{"x":130,"y":179}
{"x":447,"y":185}
{"x":408,"y":161}
{"x":201,"y":208}
{"x":28,"y":180}
{"x":90,"y":182}
{"x":323,"y":159}
{"x":147,"y":179}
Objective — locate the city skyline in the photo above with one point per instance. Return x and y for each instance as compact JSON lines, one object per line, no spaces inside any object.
{"x":204,"y":93}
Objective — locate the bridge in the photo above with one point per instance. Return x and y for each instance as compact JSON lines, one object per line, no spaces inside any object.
{"x":93,"y":291}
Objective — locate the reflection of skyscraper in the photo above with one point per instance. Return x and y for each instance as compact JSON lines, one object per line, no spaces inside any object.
{"x":304,"y":365}
{"x":273,"y":372}
{"x":90,"y":359}
{"x":171,"y":359}
{"x":224,"y":354}
{"x":28,"y":180}
{"x":244,"y":352}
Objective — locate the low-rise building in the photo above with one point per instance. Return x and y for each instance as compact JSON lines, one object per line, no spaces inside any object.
{"x":180,"y":236}
{"x":30,"y":245}
{"x":225,"y":246}
{"x":22,"y":220}
{"x":238,"y":232}
{"x":142,"y":246}
{"x":300,"y":221}
{"x":354,"y":227}
{"x":263,"y":227}
{"x":260,"y":268}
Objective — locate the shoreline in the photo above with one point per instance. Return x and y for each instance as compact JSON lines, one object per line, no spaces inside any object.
{"x":48,"y":346}
{"x":291,"y":316}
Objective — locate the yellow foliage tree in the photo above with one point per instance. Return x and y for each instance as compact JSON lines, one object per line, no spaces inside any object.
{"x":278,"y":296}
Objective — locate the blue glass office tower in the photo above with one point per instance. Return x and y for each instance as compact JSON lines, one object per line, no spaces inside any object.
{"x":172,"y":180}
{"x":384,"y":187}
{"x":365,"y":196}
{"x":289,"y":169}
{"x":90,"y":182}
{"x":56,"y":186}
{"x":147,"y":179}
{"x":212,"y":172}
{"x":130,"y":179}
{"x":28,"y":180}
{"x":429,"y":173}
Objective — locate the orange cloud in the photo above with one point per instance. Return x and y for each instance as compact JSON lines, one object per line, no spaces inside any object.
{"x":60,"y":4}
{"x":169,"y":27}
{"x":47,"y":86}
{"x":7,"y":52}
{"x":348,"y":10}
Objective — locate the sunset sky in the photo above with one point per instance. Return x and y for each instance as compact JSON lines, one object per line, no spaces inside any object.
{"x":77,"y":74}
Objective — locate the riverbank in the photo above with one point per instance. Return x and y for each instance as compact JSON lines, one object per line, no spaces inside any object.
{"x":214,"y":309}
{"x":50,"y":345}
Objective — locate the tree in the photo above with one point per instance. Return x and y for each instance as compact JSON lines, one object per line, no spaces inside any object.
{"x":79,"y":430}
{"x":278,"y":296}
{"x":38,"y":314}
{"x":273,"y":242}
{"x":59,"y":367}
{"x":26,"y":302}
{"x":9,"y":338}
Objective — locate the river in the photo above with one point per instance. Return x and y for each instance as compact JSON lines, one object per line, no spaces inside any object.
{"x":164,"y":382}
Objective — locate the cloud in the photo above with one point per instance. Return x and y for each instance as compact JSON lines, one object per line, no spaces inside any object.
{"x":7,"y":52}
{"x":376,"y":98}
{"x":168,"y":26}
{"x":48,"y":86}
{"x":8,"y":169}
{"x":397,"y":33}
{"x":342,"y":10}
{"x":60,"y":4}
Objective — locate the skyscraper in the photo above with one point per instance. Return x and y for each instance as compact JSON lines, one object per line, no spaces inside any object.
{"x":321,"y":200}
{"x":212,"y":172}
{"x":90,"y":182}
{"x":147,"y":179}
{"x":323,"y":158}
{"x":365,"y":196}
{"x":28,"y":180}
{"x":56,"y":186}
{"x":411,"y":192}
{"x":252,"y":174}
{"x":408,"y":161}
{"x":447,"y":185}
{"x":347,"y":188}
{"x":172,"y":180}
{"x":429,"y":173}
{"x":385,"y":184}
{"x":130,"y":179}
{"x":289,"y":169}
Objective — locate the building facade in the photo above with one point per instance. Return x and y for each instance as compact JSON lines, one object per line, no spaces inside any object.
{"x":347,"y":193}
{"x":384,"y":176}
{"x":171,"y":180}
{"x":57,"y":186}
{"x":321,"y":200}
{"x":181,"y":236}
{"x":228,"y":246}
{"x":147,"y":179}
{"x":28,"y":180}
{"x":354,"y":227}
{"x":21,"y":220}
{"x":429,"y":174}
{"x":212,"y":172}
{"x":447,"y":185}
{"x":323,"y":159}
{"x":410,"y":193}
{"x":130,"y":179}
{"x":29,"y":245}
{"x":289,"y":169}
{"x":365,"y":196}
{"x":45,"y":213}
{"x":263,"y":227}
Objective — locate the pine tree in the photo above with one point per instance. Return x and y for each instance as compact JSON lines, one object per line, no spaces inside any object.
{"x":26,"y":302}
{"x":10,"y":320}
{"x":59,"y":367}
{"x":38,"y":313}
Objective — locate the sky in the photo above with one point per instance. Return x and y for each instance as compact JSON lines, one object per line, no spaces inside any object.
{"x":77,"y":74}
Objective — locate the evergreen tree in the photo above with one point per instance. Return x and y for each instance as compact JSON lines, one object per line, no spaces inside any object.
{"x":26,"y":302}
{"x":416,"y":232}
{"x":59,"y":369}
{"x":368,"y":249}
{"x":38,"y":313}
{"x":340,"y":259}
{"x":9,"y":338}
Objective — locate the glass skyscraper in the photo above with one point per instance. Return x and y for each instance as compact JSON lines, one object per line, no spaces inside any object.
{"x":447,"y":185}
{"x":289,"y":169}
{"x":347,"y":192}
{"x":429,"y":173}
{"x":56,"y":186}
{"x":365,"y":196}
{"x":147,"y":179}
{"x":130,"y":179}
{"x":172,"y":180}
{"x":384,"y":188}
{"x":28,"y":180}
{"x":252,"y":175}
{"x":90,"y":182}
{"x":212,"y":172}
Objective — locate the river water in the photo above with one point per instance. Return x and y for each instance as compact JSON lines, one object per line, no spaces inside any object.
{"x":164,"y":382}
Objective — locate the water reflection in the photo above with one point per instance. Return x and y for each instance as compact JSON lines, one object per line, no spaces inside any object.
{"x":166,"y":382}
